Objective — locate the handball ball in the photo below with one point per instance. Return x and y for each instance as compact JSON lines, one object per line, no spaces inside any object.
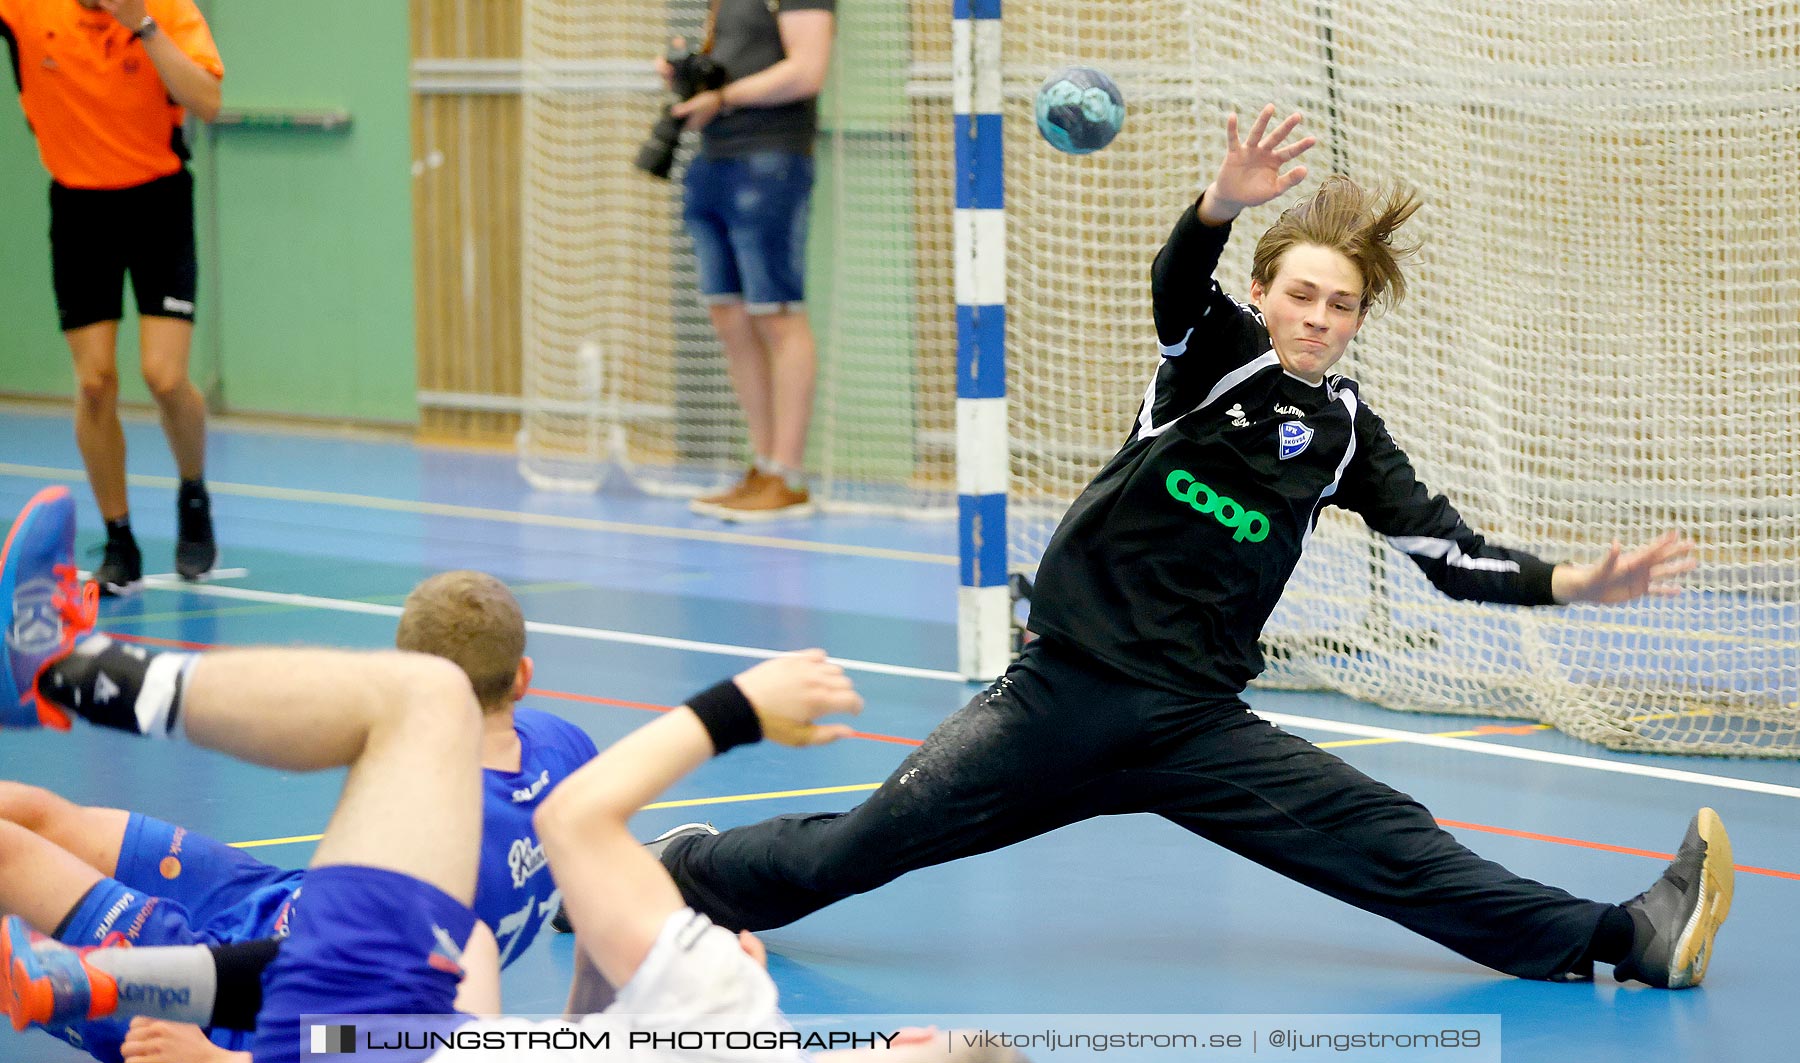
{"x":1079,"y":110}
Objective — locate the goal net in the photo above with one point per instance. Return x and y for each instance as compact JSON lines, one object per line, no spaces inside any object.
{"x":622,"y":370}
{"x":1602,"y":339}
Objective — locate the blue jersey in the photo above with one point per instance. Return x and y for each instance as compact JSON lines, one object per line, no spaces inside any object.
{"x":514,"y":894}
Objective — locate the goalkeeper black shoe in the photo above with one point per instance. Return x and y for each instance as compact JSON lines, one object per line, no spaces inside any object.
{"x":1675,"y":920}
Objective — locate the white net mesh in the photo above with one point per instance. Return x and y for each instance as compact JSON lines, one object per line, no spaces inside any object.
{"x":1600,"y":342}
{"x":622,"y":365}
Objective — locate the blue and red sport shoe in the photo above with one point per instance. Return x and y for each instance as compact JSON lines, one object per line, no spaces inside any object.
{"x":45,"y":606}
{"x":46,"y":982}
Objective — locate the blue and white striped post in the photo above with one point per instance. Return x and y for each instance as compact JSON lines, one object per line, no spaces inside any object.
{"x":984,"y":605}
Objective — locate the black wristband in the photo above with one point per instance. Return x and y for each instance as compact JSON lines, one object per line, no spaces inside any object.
{"x":727,"y":715}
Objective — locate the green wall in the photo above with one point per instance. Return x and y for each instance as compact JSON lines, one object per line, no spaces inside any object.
{"x":306,"y":294}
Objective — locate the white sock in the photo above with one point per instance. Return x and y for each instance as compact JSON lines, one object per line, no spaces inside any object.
{"x":173,"y":982}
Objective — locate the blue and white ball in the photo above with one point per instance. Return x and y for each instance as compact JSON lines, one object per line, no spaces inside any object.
{"x":1079,"y":110}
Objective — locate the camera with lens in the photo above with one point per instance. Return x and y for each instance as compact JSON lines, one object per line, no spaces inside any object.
{"x":694,"y":73}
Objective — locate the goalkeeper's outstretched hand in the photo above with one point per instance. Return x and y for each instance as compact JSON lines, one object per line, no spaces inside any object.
{"x":1623,"y":575}
{"x":1250,"y":173}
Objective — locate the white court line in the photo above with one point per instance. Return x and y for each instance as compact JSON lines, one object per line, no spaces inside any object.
{"x":594,"y":634}
{"x":1541,"y":756}
{"x":174,"y":580}
{"x":503,"y":516}
{"x":1461,"y":745}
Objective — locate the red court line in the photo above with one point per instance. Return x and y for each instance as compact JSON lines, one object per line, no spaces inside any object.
{"x":595,"y":699}
{"x":561,"y":695}
{"x":151,"y":640}
{"x":1601,"y":846}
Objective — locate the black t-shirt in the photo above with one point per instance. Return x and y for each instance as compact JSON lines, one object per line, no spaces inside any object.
{"x":747,"y":41}
{"x":1170,"y":562}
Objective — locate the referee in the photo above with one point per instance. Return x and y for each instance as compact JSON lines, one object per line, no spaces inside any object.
{"x":105,"y":85}
{"x":1149,"y":601}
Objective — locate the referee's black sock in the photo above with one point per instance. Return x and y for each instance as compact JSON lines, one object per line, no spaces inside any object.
{"x":118,"y":685}
{"x":120,"y":530}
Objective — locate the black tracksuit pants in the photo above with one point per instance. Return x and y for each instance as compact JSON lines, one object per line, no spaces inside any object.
{"x":1062,"y":738}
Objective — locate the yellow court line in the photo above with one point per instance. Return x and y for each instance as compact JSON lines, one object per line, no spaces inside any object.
{"x":697,"y":801}
{"x":295,"y":840}
{"x":1342,"y":743}
{"x":1506,"y":728}
{"x":507,"y":516}
{"x":689,"y":803}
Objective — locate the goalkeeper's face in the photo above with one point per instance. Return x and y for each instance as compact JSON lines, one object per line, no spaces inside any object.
{"x":1312,"y":308}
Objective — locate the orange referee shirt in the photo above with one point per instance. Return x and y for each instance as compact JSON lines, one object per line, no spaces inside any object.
{"x":102,"y":116}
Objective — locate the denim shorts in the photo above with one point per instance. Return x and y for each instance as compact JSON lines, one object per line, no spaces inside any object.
{"x":747,"y":216}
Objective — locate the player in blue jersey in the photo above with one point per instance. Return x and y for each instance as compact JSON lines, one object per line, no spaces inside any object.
{"x":102,"y":875}
{"x":387,"y":897}
{"x":473,"y":620}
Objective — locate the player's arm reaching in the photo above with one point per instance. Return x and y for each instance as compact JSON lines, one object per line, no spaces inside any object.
{"x":618,"y":895}
{"x":1203,"y":332}
{"x":1381,"y":486}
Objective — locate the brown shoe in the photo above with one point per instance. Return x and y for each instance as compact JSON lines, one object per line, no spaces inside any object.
{"x":707,"y":505}
{"x":770,"y":498}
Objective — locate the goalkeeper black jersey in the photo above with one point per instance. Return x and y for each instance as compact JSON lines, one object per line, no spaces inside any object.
{"x":1170,"y":562}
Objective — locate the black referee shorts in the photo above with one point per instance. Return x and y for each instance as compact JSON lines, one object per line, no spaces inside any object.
{"x":97,"y":236}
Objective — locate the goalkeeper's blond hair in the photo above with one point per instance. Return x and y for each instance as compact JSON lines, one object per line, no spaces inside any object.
{"x":1346,"y":218}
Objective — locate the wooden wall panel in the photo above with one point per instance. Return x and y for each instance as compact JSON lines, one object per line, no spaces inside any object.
{"x":466,"y":127}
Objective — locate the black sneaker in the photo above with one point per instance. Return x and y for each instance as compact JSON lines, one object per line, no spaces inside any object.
{"x":560,"y":921}
{"x":121,"y":571}
{"x":656,"y":845}
{"x":195,"y":551}
{"x":1676,"y":918}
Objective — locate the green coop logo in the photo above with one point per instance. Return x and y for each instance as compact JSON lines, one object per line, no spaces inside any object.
{"x":1247,"y":525}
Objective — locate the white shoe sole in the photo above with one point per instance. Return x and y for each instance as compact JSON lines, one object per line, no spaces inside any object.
{"x":121,"y":590}
{"x":657,"y":844}
{"x":1693,"y":949}
{"x":203,"y":576}
{"x":763,"y":516}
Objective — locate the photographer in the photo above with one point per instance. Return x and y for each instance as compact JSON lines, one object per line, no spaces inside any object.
{"x":746,"y":202}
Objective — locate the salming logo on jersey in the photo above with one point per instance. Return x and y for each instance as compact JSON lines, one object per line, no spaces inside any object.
{"x":525,"y":859}
{"x":1247,"y":525}
{"x":119,"y":908}
{"x":525,"y":794}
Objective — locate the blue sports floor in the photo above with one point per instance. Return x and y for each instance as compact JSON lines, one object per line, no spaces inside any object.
{"x":640,"y":603}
